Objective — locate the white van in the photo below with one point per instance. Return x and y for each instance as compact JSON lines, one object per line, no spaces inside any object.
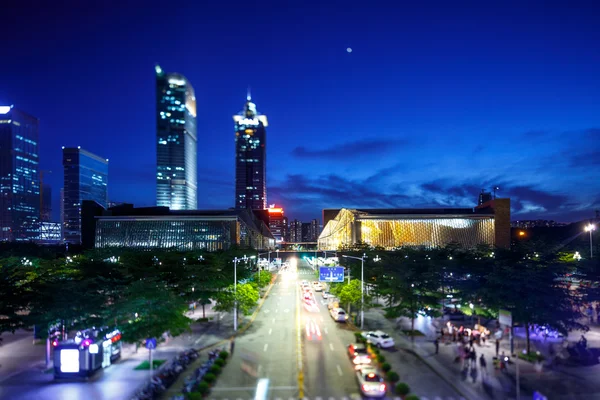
{"x":338,"y":315}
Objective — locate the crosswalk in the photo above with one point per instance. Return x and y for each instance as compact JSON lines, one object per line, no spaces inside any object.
{"x":349,"y":397}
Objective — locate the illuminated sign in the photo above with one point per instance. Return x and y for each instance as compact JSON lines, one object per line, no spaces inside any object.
{"x":69,"y":360}
{"x":248,"y":121}
{"x":276,"y":210}
{"x":93,"y":348}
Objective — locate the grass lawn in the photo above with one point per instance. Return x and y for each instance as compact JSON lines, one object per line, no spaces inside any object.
{"x":145,"y":365}
{"x":408,"y":332}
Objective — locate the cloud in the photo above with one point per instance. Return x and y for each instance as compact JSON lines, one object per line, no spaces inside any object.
{"x":350,"y":150}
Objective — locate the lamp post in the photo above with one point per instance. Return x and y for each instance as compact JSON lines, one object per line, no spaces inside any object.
{"x":362,"y":286}
{"x":235,"y":261}
{"x":590,"y":228}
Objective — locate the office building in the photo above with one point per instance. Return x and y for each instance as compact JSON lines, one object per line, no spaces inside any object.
{"x":276,"y":223}
{"x":391,"y":228}
{"x":176,"y":142}
{"x":85,"y":178}
{"x":295,"y":231}
{"x":19,"y":175}
{"x":286,"y":229}
{"x":484,"y":197}
{"x":250,"y":158}
{"x":50,"y":233}
{"x":159,"y":227}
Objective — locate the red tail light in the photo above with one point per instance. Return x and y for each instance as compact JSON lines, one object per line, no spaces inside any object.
{"x":55,"y":343}
{"x":365,"y":388}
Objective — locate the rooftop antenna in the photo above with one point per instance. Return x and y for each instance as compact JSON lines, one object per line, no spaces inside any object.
{"x":248,"y":95}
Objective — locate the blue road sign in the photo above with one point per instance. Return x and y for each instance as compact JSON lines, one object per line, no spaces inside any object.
{"x":151,"y":343}
{"x":331,"y":274}
{"x":539,"y":396}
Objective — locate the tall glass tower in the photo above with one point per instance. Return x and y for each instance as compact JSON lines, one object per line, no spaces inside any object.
{"x":176,"y":142}
{"x":250,"y":158}
{"x":19,"y":175}
{"x":86,"y":178}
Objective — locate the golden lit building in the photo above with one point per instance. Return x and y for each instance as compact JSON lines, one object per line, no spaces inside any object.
{"x":391,"y":228}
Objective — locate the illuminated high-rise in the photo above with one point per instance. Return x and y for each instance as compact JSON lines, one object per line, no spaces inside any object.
{"x":176,"y":142}
{"x":86,"y":178}
{"x":250,"y":158}
{"x":19,"y":175}
{"x":277,"y":223}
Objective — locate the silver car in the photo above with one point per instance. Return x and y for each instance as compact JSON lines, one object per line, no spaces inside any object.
{"x":371,"y":384}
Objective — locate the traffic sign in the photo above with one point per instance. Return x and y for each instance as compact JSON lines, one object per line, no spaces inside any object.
{"x":151,"y":343}
{"x":331,"y":274}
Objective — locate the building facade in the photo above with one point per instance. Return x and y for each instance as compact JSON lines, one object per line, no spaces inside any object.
{"x":19,"y":175}
{"x":250,"y":158}
{"x":46,"y":203}
{"x":176,"y":142}
{"x":295,"y":231}
{"x":159,"y":227}
{"x":392,"y":228}
{"x":276,"y":223}
{"x":286,"y":229}
{"x":85,"y":178}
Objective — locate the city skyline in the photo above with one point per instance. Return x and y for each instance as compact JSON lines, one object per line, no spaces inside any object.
{"x":398,"y":118}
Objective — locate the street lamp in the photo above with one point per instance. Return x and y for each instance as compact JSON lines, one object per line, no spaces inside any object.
{"x":235,"y":261}
{"x":362,"y":286}
{"x":590,"y":228}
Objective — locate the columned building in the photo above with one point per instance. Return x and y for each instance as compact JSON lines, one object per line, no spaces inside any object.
{"x":250,"y":158}
{"x":488,"y":223}
{"x":19,"y":175}
{"x":86,"y":178}
{"x":176,"y":142}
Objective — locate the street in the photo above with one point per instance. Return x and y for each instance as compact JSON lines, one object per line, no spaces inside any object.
{"x":268,"y":350}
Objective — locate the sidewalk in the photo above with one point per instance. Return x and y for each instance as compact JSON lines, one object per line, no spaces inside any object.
{"x":555,"y":384}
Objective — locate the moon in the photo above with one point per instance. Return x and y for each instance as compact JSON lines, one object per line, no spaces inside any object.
{"x":349,"y":49}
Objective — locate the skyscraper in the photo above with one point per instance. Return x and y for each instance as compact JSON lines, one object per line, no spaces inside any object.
{"x":176,"y":142}
{"x":19,"y":175}
{"x":250,"y":158}
{"x":276,"y":223}
{"x":46,"y":203}
{"x":86,"y":178}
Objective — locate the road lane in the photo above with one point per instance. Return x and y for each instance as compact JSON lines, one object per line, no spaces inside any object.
{"x":328,"y":370}
{"x":266,"y":350}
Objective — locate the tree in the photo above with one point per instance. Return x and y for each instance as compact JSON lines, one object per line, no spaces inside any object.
{"x":147,"y":309}
{"x":530,"y":288}
{"x":245,"y":294}
{"x":262,"y":278}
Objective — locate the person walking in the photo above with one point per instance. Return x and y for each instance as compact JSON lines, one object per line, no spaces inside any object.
{"x":497,"y":347}
{"x":473,"y":357}
{"x":436,"y":342}
{"x":231,"y":346}
{"x":483,"y":365}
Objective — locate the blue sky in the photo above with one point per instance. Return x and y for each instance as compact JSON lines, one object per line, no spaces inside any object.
{"x":435,"y":102}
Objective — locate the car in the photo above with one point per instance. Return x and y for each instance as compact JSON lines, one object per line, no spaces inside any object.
{"x":370,"y":382}
{"x":379,"y":339}
{"x":313,"y":332}
{"x":358,"y":354}
{"x":318,"y":288}
{"x":338,"y":314}
{"x":304,"y":283}
{"x":326,"y":295}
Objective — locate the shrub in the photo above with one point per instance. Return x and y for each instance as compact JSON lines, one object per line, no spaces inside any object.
{"x":220,"y":362}
{"x":215,"y":369}
{"x":203,"y":388}
{"x":402,"y":389}
{"x":223,"y":354}
{"x":381,"y":358}
{"x":386,"y":367}
{"x":195,"y":396}
{"x":411,"y":397}
{"x":359,"y":337}
{"x":209,"y":378}
{"x":392,"y":377}
{"x":202,"y":319}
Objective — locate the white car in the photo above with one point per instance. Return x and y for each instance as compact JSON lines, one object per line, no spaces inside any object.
{"x":338,"y":315}
{"x":371,"y":384}
{"x":318,"y":287}
{"x":379,"y":339}
{"x":326,"y":295}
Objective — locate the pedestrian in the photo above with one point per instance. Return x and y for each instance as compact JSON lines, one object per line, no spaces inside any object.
{"x":231,"y":346}
{"x":436,"y":342}
{"x":471,"y":340}
{"x":497,"y":347}
{"x":483,"y":365}
{"x":473,"y":357}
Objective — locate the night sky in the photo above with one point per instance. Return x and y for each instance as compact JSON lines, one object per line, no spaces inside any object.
{"x":434,"y":103}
